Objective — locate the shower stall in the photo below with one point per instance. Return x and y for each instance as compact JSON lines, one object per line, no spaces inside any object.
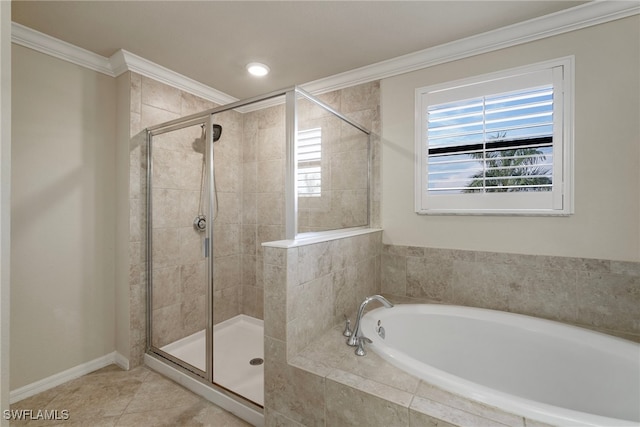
{"x":219,"y":184}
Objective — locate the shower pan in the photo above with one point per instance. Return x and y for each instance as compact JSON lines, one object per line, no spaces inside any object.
{"x":218,"y":185}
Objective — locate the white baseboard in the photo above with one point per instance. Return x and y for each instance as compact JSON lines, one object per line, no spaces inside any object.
{"x":68,"y":375}
{"x":120,"y":360}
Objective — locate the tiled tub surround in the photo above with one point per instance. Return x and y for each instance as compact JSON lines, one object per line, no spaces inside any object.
{"x":603,"y":295}
{"x":314,"y":379}
{"x":368,"y":391}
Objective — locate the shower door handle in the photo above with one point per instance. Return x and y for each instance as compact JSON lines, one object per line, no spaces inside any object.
{"x":205,"y":249}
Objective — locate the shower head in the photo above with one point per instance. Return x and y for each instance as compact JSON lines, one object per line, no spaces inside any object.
{"x":217,"y":131}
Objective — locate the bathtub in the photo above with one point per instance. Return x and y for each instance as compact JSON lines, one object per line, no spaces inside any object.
{"x":539,"y":369}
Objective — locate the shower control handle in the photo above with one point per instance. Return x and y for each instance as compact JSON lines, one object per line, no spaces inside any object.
{"x":200,"y":223}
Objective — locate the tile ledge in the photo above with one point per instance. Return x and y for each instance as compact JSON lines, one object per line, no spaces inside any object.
{"x":383,"y":390}
{"x":323,"y":236}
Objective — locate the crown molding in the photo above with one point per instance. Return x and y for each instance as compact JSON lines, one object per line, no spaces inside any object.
{"x":123,"y":60}
{"x":120,"y":62}
{"x":583,"y":16}
{"x":48,"y":45}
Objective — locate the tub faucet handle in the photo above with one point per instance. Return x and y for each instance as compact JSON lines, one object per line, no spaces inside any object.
{"x":357,"y":333}
{"x":360,"y":351}
{"x":347,"y":327}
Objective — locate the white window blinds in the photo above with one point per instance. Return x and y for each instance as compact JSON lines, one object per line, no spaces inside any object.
{"x":498,"y":143}
{"x":309,"y":163}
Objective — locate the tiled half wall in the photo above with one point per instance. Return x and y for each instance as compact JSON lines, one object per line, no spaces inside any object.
{"x":308,"y":289}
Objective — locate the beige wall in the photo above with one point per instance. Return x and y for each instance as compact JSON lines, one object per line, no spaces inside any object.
{"x":63,"y":216}
{"x":606,"y":223}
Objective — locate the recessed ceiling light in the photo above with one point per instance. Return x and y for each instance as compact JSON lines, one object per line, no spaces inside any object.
{"x":257,"y":69}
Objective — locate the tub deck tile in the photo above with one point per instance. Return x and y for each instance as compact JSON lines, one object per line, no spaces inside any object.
{"x":355,"y":401}
{"x":427,"y":412}
{"x":383,"y":391}
{"x":433,"y":393}
{"x":398,"y":397}
{"x":331,"y":351}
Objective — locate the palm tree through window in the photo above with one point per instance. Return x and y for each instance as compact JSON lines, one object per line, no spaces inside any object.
{"x":499,"y":143}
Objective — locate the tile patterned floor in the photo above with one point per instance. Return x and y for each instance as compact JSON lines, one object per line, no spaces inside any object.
{"x":112,"y":397}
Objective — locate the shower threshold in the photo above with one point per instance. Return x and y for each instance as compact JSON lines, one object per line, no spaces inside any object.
{"x":238,"y":350}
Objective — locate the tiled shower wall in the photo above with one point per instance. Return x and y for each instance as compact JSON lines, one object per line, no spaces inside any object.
{"x":226,"y":246}
{"x":179,"y":269}
{"x":347,"y":158}
{"x":598,"y":294}
{"x":180,"y":276}
{"x":249,"y":161}
{"x":152,"y":103}
{"x":343,"y":178}
{"x":263,"y":163}
{"x":263,"y":171}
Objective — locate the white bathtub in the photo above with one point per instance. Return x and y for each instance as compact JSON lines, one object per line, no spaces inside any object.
{"x":539,"y":369}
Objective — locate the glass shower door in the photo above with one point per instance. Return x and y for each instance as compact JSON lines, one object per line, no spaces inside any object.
{"x":236,"y":264}
{"x":197,"y":267}
{"x":177,"y":246}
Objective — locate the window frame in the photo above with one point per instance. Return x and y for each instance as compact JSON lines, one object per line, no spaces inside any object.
{"x":557,"y":202}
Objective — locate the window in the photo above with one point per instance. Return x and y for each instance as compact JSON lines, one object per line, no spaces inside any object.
{"x":309,"y":159}
{"x":496,"y":144}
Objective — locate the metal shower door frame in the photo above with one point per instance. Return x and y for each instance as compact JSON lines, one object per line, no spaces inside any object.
{"x":290,"y":96}
{"x":186,"y":367}
{"x":206,"y":118}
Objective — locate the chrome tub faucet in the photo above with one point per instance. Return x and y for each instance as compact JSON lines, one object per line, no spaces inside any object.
{"x":357,"y":339}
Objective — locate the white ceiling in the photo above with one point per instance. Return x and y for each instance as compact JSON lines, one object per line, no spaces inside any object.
{"x":302,"y":41}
